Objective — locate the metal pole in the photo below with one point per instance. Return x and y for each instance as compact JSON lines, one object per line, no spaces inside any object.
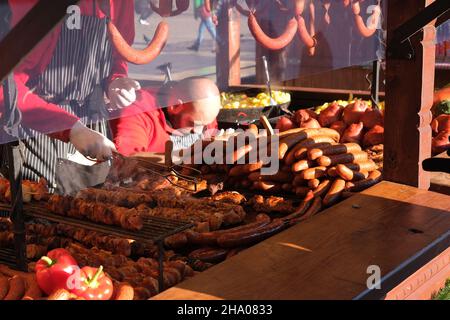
{"x":375,"y":88}
{"x":17,"y":217}
{"x":161,"y":265}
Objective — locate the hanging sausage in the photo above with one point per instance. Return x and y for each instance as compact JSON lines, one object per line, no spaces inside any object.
{"x":374,"y":20}
{"x":139,"y":56}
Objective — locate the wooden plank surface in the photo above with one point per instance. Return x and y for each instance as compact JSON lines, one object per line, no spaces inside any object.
{"x":327,"y":257}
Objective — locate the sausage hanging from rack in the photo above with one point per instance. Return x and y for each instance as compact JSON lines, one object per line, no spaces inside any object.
{"x":135,"y":56}
{"x":366,"y":31}
{"x":272,"y":43}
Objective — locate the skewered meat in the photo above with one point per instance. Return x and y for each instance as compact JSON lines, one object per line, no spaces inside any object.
{"x":122,"y":198}
{"x":79,"y":208}
{"x":271,"y":204}
{"x":229,"y":197}
{"x":142,"y":274}
{"x":30,"y":190}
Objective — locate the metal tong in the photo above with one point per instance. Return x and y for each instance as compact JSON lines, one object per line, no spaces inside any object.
{"x":165,"y":171}
{"x":273,"y":103}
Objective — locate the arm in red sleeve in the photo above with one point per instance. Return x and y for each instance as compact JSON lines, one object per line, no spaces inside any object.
{"x":39,"y":115}
{"x":123,"y":17}
{"x":140,"y":128}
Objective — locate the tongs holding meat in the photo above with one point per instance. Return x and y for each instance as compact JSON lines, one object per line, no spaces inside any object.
{"x":124,"y":167}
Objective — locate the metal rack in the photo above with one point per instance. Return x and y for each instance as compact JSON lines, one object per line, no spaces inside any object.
{"x":7,"y":257}
{"x":155,"y":230}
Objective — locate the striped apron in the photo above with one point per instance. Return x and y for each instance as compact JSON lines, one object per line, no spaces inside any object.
{"x":74,"y":80}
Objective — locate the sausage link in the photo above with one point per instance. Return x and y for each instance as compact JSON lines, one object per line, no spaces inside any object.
{"x":353,"y":157}
{"x":314,"y":183}
{"x":4,"y":287}
{"x":244,"y":169}
{"x":16,"y":288}
{"x":316,"y":153}
{"x":302,"y":165}
{"x":212,"y":255}
{"x":373,"y":178}
{"x":139,"y":56}
{"x":302,"y":208}
{"x":322,"y":189}
{"x":349,"y":175}
{"x":368,"y":166}
{"x":302,"y":191}
{"x":272,"y":43}
{"x":299,"y":151}
{"x":249,"y":237}
{"x":334,"y":194}
{"x":313,"y":209}
{"x":313,"y":173}
{"x":123,"y":291}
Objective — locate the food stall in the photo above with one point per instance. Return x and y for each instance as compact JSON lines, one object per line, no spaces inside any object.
{"x":346,"y":215}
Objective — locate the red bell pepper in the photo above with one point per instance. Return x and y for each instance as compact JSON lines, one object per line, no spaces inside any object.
{"x":54,"y":270}
{"x":94,"y":284}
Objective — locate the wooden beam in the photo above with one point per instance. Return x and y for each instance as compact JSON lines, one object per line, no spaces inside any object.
{"x":228,"y":57}
{"x":38,"y":22}
{"x":409,"y":97}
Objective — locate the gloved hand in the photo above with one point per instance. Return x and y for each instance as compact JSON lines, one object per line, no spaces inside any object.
{"x":122,"y":92}
{"x":91,"y":143}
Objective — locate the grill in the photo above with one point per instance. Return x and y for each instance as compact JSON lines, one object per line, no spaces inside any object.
{"x":7,"y":257}
{"x":155,"y":229}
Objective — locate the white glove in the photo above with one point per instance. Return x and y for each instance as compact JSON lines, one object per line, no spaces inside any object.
{"x":122,"y":92}
{"x":91,"y":143}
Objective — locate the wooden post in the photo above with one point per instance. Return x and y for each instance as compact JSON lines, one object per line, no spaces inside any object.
{"x":228,"y":57}
{"x":409,"y":97}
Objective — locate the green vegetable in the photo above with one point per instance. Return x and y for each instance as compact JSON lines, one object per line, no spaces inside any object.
{"x":443,"y":107}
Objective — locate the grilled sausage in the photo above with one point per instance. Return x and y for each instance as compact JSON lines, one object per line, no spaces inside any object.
{"x":353,"y":157}
{"x":123,"y":291}
{"x":16,"y":288}
{"x":313,"y":173}
{"x":4,"y":287}
{"x":373,"y":178}
{"x":211,"y":255}
{"x":249,"y":237}
{"x":334,"y":194}
{"x":318,"y":152}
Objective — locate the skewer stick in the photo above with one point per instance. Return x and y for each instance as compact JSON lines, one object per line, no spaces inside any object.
{"x":266,"y":124}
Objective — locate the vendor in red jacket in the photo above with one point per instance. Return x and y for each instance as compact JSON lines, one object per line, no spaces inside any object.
{"x":62,"y":82}
{"x":187,"y":109}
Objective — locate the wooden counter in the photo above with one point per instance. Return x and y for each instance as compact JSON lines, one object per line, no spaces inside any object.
{"x":396,"y":227}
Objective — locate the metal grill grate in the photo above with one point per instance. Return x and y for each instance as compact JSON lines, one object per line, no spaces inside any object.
{"x":154,"y":229}
{"x":8,"y":257}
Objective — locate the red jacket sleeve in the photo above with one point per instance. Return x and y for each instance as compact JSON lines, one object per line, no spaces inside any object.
{"x":122,"y":13}
{"x":40,"y":115}
{"x":141,"y":127}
